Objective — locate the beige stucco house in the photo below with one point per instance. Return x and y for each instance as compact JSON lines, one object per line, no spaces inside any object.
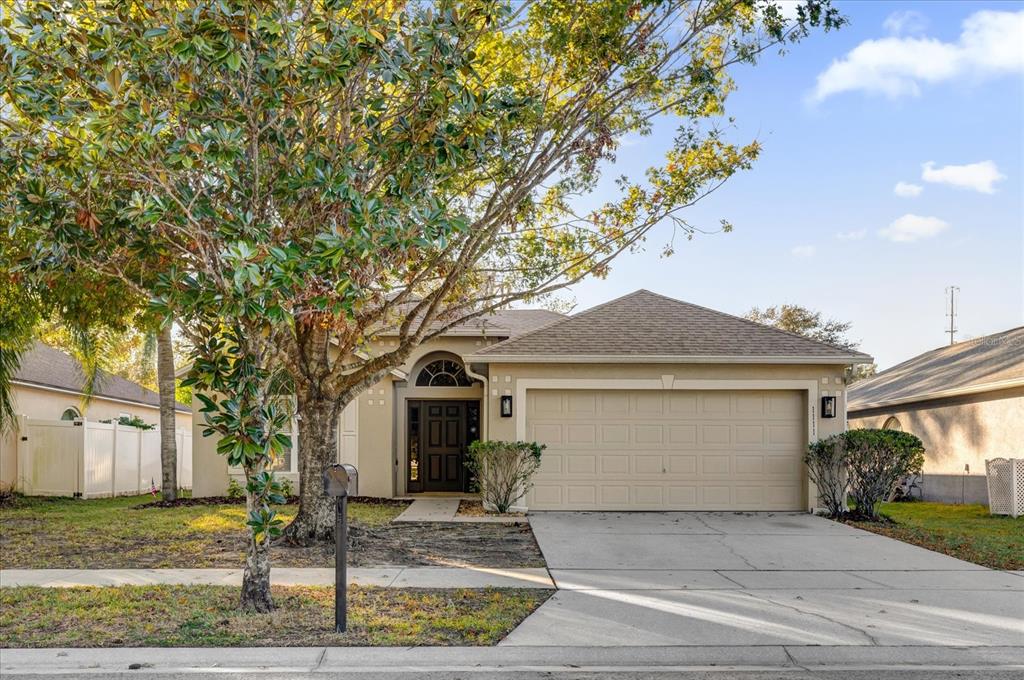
{"x":964,"y":401}
{"x":48,"y":386}
{"x":644,"y":403}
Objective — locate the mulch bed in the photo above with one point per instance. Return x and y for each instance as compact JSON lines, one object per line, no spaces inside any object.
{"x":468,"y":508}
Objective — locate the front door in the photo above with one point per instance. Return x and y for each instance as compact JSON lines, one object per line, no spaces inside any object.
{"x":438,"y":439}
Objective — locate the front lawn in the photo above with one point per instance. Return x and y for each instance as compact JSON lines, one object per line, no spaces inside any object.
{"x":42,"y":533}
{"x":114,"y":533}
{"x":967,"y":532}
{"x":208,"y":616}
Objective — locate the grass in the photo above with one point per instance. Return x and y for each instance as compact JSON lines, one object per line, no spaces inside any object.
{"x":208,"y":616}
{"x":40,"y":533}
{"x":967,"y":532}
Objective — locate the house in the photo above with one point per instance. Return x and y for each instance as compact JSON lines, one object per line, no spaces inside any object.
{"x":964,"y":401}
{"x":644,"y":403}
{"x":48,"y":386}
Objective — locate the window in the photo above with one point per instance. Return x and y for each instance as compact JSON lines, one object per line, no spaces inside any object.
{"x":893,"y":423}
{"x":443,"y":373}
{"x":70,"y":413}
{"x":286,"y":462}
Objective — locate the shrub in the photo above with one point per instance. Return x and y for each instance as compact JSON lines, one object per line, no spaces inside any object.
{"x":133,"y":421}
{"x":503,"y":470}
{"x":875,"y":462}
{"x":287,"y":488}
{"x":826,"y":466}
{"x":235,"y":489}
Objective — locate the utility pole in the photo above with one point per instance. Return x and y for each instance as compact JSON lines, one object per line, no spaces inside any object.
{"x":952,"y":291}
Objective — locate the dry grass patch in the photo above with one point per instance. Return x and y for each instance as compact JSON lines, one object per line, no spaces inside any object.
{"x":43,"y":533}
{"x":208,"y":616}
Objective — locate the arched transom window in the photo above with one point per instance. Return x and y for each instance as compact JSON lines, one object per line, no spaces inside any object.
{"x":893,"y":423}
{"x":443,"y":373}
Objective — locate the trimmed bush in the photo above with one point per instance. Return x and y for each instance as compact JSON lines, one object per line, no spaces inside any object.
{"x":876,"y":460}
{"x":867,"y":464}
{"x":504,"y":470}
{"x":826,"y":466}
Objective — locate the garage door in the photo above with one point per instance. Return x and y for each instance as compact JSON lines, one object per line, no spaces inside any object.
{"x":667,"y":450}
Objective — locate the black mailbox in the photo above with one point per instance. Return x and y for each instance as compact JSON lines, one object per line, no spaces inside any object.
{"x":341,"y":480}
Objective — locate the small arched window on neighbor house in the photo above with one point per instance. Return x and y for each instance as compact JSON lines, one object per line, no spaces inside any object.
{"x":70,"y":413}
{"x":893,"y":423}
{"x":443,"y":373}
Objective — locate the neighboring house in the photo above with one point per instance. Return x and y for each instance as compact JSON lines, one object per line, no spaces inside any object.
{"x":644,"y":403}
{"x":48,"y":386}
{"x":964,"y":401}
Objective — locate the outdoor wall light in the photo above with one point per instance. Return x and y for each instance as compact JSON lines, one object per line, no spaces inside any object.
{"x":828,"y":407}
{"x":506,"y":406}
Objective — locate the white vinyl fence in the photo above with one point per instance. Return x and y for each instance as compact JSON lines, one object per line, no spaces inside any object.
{"x":92,"y":459}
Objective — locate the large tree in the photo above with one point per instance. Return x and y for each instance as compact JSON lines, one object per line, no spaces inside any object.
{"x":811,"y":324}
{"x":306,"y":176}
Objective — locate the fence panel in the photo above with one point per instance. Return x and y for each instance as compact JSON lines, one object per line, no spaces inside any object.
{"x":98,"y":459}
{"x":126,"y":460}
{"x":65,"y":458}
{"x":54,"y":454}
{"x":151,"y":470}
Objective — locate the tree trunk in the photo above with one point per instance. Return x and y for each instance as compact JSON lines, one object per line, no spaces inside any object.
{"x":165,"y":383}
{"x":256,"y":577}
{"x":318,"y":448}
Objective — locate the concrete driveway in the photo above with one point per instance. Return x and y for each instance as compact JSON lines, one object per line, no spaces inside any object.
{"x":656,"y":579}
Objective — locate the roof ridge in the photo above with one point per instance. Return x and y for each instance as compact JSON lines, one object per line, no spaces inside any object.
{"x":564,"y":319}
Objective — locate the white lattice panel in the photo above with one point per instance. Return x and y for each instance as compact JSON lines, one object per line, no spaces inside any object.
{"x":1005,"y":486}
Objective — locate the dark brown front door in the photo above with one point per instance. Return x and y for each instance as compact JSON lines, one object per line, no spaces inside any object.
{"x":441,"y":443}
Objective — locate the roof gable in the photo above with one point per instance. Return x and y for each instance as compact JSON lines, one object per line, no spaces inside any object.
{"x":645,"y":324}
{"x":48,"y":367}
{"x":991,"y":362}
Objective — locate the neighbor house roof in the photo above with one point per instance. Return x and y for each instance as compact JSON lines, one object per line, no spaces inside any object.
{"x":47,"y":367}
{"x":984,"y":364}
{"x":645,"y":326}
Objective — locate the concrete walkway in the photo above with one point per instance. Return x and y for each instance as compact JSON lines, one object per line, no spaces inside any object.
{"x":643,"y":579}
{"x":387,"y":577}
{"x":445,"y":509}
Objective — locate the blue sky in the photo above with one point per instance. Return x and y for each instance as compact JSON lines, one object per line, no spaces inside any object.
{"x":843,"y":118}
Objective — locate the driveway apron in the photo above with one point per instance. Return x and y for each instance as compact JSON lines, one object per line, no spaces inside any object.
{"x":643,"y":579}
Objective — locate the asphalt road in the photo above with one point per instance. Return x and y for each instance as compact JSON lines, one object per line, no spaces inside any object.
{"x":653,"y":674}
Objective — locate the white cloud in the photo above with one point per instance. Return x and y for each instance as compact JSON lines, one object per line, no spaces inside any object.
{"x":804,"y":251}
{"x":910,"y":228}
{"x":905,"y":22}
{"x":989,"y":45}
{"x":978,"y":176}
{"x":855,"y":235}
{"x":907,"y":190}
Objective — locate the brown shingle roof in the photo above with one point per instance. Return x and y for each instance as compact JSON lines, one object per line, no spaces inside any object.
{"x":504,"y":323}
{"x":645,"y":324}
{"x":970,"y":366}
{"x":46,"y":366}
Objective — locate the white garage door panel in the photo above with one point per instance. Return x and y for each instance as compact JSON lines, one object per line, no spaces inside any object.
{"x":693,"y":450}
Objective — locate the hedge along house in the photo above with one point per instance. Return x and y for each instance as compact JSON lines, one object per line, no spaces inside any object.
{"x":644,"y":403}
{"x":964,"y":401}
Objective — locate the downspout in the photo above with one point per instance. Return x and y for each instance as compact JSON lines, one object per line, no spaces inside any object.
{"x":485,"y":405}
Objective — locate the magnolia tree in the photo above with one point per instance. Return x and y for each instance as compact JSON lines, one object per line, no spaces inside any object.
{"x":306,"y":176}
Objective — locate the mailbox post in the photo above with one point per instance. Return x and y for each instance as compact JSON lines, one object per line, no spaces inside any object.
{"x":339,"y":482}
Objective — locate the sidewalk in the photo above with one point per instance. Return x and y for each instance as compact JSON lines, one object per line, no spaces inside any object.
{"x":507,"y":661}
{"x":387,"y":577}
